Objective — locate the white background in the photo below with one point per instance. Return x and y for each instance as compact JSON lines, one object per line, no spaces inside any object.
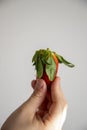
{"x":28,"y":25}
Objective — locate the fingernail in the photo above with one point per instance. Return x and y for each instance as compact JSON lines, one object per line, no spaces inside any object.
{"x":38,"y":84}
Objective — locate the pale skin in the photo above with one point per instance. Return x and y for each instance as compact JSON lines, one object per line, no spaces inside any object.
{"x":42,"y":111}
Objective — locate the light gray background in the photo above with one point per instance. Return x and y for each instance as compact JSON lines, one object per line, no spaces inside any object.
{"x":27,"y":25}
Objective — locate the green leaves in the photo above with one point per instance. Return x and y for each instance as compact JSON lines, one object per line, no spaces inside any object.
{"x":38,"y":64}
{"x":43,"y":60}
{"x":39,"y":68}
{"x":62,"y":60}
{"x":34,"y":59}
{"x":51,"y":68}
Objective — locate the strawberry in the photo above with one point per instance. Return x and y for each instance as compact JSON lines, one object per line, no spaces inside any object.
{"x":46,"y":63}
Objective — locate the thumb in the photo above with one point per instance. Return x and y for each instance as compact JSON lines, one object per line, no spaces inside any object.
{"x":38,"y":95}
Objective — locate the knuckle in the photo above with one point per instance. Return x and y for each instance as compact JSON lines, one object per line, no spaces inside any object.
{"x":37,"y":94}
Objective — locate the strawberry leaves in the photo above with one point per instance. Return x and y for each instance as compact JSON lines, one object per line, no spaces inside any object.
{"x":38,"y":64}
{"x":44,"y":61}
{"x":62,"y":60}
{"x":51,"y":68}
{"x":39,"y":68}
{"x":44,"y":58}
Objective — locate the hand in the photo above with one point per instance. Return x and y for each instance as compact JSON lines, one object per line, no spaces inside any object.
{"x":44,"y":110}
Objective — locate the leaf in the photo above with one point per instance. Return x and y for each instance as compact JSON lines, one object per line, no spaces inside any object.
{"x":59,"y":58}
{"x":51,"y":68}
{"x":34,"y":63}
{"x":35,"y":57}
{"x":62,"y":60}
{"x":67,"y":63}
{"x":39,"y":68}
{"x":44,"y":57}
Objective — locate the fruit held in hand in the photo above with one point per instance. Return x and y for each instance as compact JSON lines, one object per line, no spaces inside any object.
{"x":46,"y":63}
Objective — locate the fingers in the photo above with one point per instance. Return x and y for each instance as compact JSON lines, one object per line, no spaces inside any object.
{"x":38,"y":95}
{"x":57,"y":94}
{"x":47,"y":102}
{"x":59,"y":103}
{"x":57,"y":109}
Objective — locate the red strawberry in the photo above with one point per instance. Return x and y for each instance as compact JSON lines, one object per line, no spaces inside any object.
{"x":46,"y":64}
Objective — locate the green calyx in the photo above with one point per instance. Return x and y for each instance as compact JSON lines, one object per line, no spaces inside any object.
{"x":43,"y":59}
{"x":62,"y":60}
